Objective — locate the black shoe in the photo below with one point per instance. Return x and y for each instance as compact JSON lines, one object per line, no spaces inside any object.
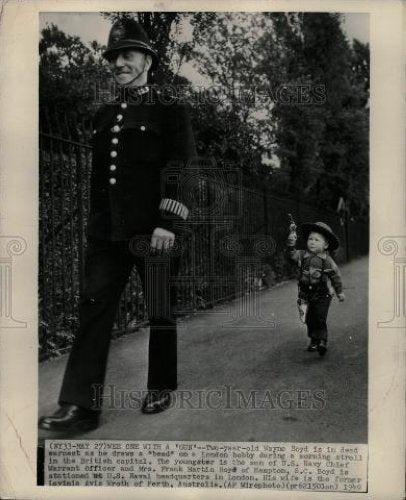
{"x":322,"y":348}
{"x":313,"y":346}
{"x":70,"y":418}
{"x":156,"y":402}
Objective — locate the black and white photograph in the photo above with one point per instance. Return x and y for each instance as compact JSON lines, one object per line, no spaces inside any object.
{"x":203,"y":265}
{"x":204,"y":198}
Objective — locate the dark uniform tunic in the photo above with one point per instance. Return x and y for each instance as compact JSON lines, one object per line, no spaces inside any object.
{"x":142,"y":146}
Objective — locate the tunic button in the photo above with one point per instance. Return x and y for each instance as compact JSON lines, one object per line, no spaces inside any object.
{"x":112,"y":180}
{"x":123,"y":105}
{"x":114,"y":140}
{"x":142,"y":128}
{"x":116,"y":128}
{"x":113,"y":154}
{"x":119,"y":118}
{"x":113,"y":167}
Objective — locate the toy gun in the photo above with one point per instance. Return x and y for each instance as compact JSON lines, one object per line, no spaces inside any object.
{"x":292,"y":225}
{"x":292,"y":231}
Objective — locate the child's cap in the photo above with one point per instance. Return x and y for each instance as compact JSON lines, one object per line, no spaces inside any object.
{"x":322,"y":228}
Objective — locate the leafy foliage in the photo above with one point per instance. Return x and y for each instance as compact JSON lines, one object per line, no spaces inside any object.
{"x":322,"y":145}
{"x":69,"y":72}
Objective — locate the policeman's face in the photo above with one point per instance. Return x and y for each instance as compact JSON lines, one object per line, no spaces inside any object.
{"x":316,"y":242}
{"x":130,"y":67}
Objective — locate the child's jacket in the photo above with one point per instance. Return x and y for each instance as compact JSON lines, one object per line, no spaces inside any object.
{"x":315,"y":272}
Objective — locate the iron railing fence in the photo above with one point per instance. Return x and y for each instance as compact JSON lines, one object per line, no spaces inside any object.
{"x":233,"y":244}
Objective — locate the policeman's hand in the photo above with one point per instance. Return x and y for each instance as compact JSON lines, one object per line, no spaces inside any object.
{"x":162,"y":240}
{"x":341,"y":297}
{"x":292,"y":238}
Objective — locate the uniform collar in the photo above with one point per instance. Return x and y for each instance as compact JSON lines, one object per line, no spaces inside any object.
{"x":322,"y":255}
{"x":132,"y":94}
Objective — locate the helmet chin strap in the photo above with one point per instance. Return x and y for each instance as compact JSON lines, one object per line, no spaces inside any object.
{"x":136,"y":77}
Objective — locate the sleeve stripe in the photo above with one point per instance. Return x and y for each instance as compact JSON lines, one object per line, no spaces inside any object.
{"x":174,"y":207}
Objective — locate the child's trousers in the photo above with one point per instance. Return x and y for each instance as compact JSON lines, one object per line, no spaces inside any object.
{"x":316,"y":318}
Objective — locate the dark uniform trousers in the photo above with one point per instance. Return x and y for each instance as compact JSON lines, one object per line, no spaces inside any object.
{"x":108,"y":266}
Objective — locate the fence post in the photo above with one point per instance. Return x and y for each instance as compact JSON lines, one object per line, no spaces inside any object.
{"x":79,"y":182}
{"x":266,"y":221}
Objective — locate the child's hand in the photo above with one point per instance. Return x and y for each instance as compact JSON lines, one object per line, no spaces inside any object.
{"x":292,"y":238}
{"x":341,"y":297}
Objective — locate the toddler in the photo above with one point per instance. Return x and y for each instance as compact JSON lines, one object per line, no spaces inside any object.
{"x":318,"y":274}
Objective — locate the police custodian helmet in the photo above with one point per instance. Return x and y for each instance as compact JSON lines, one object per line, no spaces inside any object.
{"x":129,"y":34}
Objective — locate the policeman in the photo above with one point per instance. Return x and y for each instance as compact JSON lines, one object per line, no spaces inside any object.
{"x":139,"y":141}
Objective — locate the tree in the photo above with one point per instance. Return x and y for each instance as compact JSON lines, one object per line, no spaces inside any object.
{"x":69,"y":72}
{"x":238,"y":126}
{"x":322,"y":143}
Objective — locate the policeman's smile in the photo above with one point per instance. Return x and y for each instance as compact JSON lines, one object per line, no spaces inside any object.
{"x":121,"y":74}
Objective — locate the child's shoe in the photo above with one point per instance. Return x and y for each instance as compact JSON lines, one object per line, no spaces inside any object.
{"x":322,"y":347}
{"x":313,"y":346}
